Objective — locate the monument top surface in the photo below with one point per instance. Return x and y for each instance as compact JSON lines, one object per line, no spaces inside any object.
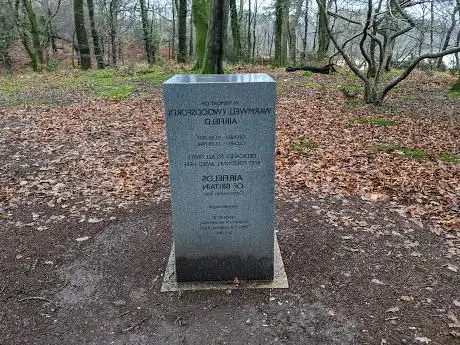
{"x":220,"y":78}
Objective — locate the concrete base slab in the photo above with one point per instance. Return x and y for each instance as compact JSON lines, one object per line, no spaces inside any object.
{"x":280,"y":280}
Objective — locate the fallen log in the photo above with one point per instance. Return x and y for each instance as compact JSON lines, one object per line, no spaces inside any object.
{"x":328,"y":69}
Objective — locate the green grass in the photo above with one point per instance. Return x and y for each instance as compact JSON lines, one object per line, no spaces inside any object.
{"x":452,"y":93}
{"x":359,"y":121}
{"x":392,"y":74}
{"x":383,"y":122}
{"x":308,"y":73}
{"x":375,"y":121}
{"x":412,"y":153}
{"x":8,"y":89}
{"x":449,"y":158}
{"x":350,"y":90}
{"x":311,"y":84}
{"x":114,"y":92}
{"x":304,"y":146}
{"x":351,"y":103}
{"x":110,"y":83}
{"x":405,"y":151}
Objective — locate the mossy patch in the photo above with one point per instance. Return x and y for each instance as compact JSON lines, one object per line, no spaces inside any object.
{"x":449,"y":158}
{"x":350,"y":90}
{"x":8,"y":89}
{"x":311,"y":84}
{"x":304,"y":146}
{"x":109,"y":83}
{"x":374,"y":121}
{"x":351,"y":103}
{"x":114,"y":92}
{"x":405,"y":151}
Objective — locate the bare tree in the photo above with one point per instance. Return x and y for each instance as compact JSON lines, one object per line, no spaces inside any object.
{"x":377,"y":33}
{"x":33,"y":28}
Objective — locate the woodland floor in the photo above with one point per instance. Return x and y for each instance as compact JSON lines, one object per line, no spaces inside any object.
{"x":368,"y":212}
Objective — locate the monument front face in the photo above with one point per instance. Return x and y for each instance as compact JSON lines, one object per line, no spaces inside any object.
{"x":221,"y":147}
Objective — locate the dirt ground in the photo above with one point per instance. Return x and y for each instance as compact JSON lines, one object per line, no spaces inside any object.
{"x":359,"y":273}
{"x":85,"y":236}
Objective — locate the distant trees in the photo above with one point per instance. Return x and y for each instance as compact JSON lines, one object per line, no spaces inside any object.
{"x":271,"y":31}
{"x":33,"y":30}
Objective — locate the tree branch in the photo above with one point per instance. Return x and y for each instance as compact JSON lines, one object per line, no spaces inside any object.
{"x":342,"y":52}
{"x":334,"y":14}
{"x":414,"y":64}
{"x":365,"y":33}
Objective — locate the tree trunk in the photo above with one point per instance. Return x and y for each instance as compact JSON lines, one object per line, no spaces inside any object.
{"x":322,"y":31}
{"x":173,"y":34}
{"x":431,"y":30}
{"x":279,"y":9}
{"x":200,"y":13}
{"x":370,"y":93}
{"x":34,"y":49}
{"x":113,"y":17}
{"x":285,"y":35}
{"x":236,"y":40}
{"x":190,"y":42}
{"x":448,"y":35}
{"x":95,"y":36}
{"x":51,"y":32}
{"x":182,"y":31}
{"x":292,"y":32}
{"x":149,"y":49}
{"x":214,"y":53}
{"x":304,"y":52}
{"x":254,"y":22}
{"x":82,"y":38}
{"x":248,"y":34}
{"x":457,"y":55}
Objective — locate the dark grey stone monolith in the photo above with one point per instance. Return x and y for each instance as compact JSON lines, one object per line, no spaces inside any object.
{"x":221,"y":147}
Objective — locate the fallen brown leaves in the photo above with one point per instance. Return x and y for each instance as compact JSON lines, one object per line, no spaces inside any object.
{"x":346,"y":162}
{"x":87,"y":159}
{"x":84,"y":160}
